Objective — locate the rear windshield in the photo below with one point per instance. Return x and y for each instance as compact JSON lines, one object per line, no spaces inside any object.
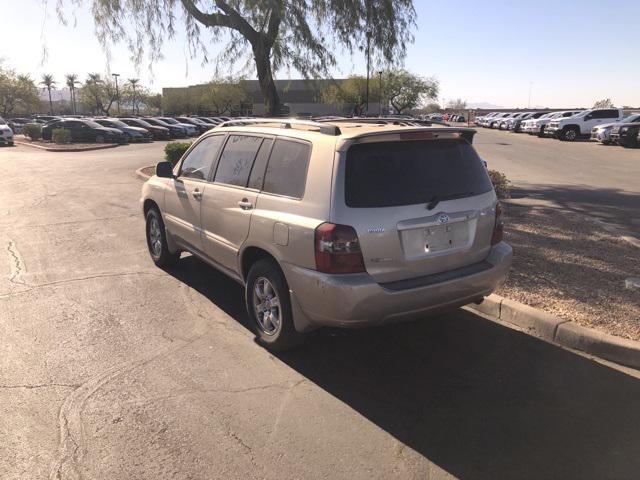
{"x":391,"y":174}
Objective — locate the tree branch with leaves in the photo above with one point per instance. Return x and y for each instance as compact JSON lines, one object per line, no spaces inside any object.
{"x":405,"y":90}
{"x":274,"y":35}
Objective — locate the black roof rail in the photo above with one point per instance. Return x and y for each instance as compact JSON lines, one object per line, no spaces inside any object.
{"x":284,"y":123}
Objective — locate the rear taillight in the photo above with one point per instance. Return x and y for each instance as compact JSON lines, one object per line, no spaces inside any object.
{"x":337,"y":249}
{"x":498,"y":226}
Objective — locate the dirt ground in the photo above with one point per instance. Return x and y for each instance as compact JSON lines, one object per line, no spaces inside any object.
{"x":569,"y":266}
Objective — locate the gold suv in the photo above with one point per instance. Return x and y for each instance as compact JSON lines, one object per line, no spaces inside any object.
{"x":342,"y":222}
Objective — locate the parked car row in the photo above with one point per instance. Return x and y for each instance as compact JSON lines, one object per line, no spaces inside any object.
{"x":114,"y":130}
{"x":446,"y":117}
{"x":604,"y":125}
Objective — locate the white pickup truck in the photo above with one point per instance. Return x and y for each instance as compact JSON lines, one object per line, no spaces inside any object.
{"x":569,"y":129}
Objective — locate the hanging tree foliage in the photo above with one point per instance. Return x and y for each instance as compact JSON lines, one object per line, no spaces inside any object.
{"x":272,"y":34}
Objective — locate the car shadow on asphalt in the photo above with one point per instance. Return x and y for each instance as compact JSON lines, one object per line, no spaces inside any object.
{"x":480,"y":400}
{"x":618,"y":207}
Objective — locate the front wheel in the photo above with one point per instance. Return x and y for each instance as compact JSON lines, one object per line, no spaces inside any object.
{"x":157,"y":241}
{"x":569,"y":134}
{"x":269,"y":307}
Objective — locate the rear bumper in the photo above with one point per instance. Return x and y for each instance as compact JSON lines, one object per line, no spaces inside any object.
{"x":356,"y":300}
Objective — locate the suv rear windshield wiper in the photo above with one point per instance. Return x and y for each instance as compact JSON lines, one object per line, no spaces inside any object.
{"x":436,"y":199}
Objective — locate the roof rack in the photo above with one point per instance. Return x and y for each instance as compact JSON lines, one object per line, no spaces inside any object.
{"x":406,"y":122}
{"x":285,"y":123}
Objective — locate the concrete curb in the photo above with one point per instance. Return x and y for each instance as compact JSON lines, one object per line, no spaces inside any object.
{"x":141,"y":175}
{"x":561,"y":332}
{"x":60,"y":149}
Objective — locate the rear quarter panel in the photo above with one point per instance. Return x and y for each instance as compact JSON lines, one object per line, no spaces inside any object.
{"x":285,"y":227}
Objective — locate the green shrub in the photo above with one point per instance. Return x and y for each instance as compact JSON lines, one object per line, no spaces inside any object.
{"x":33,"y":131}
{"x":501,"y":184}
{"x":60,"y":135}
{"x":174,"y":151}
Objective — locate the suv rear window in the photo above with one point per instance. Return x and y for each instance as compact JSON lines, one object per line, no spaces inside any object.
{"x":391,"y":174}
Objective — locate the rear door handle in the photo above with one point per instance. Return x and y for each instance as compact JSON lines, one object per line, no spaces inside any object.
{"x":197,"y":194}
{"x":245,"y":204}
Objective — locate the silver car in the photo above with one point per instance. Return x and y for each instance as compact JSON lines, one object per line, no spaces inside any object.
{"x":346,"y":222}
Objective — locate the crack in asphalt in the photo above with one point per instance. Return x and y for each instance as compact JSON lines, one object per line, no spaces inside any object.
{"x":77,"y":279}
{"x":17,"y":263}
{"x":286,"y":387}
{"x":72,"y":444}
{"x":42,"y":385}
{"x":75,"y":222}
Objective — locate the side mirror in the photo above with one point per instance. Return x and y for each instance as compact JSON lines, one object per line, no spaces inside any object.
{"x":164,"y":170}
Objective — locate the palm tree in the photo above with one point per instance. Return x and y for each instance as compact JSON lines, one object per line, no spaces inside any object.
{"x":49,"y":83}
{"x":72,"y":80}
{"x":133,"y":82}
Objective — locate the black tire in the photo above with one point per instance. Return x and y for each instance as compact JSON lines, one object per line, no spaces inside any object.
{"x":160,"y":254}
{"x":541,"y":132}
{"x":569,"y":134}
{"x":285,"y":336}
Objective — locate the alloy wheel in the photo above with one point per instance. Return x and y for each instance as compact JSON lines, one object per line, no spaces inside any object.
{"x":155,"y":237}
{"x":266,"y":306}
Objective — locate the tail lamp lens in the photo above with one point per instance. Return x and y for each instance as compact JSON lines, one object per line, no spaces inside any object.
{"x":337,"y":249}
{"x":498,"y":227}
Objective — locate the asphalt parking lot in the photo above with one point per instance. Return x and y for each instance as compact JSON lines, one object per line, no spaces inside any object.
{"x":579,"y":177}
{"x":112,"y":368}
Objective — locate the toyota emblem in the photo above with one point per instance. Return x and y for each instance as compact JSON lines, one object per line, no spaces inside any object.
{"x":443,"y":218}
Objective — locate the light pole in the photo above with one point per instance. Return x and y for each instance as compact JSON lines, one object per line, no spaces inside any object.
{"x":117,"y":91}
{"x":380,"y":99}
{"x":368,"y":66}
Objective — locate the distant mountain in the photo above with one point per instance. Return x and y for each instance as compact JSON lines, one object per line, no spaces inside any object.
{"x":484,"y":105}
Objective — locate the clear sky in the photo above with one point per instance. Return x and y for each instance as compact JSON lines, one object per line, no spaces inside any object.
{"x":569,"y":52}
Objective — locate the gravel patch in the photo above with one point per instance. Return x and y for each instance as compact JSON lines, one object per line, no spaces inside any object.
{"x":572,"y":268}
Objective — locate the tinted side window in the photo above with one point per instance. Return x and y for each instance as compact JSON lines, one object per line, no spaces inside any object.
{"x":604,"y":114}
{"x":259,"y":166}
{"x":199,"y":161}
{"x":287,"y":170}
{"x":236,"y":160}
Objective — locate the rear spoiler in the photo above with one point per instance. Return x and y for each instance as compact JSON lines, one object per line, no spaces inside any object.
{"x":466,"y":134}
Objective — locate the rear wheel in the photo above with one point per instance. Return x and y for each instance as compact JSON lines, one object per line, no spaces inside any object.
{"x":157,"y":241}
{"x":269,"y":307}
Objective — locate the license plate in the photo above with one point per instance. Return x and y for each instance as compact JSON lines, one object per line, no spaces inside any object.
{"x":438,"y":238}
{"x":421,"y":242}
